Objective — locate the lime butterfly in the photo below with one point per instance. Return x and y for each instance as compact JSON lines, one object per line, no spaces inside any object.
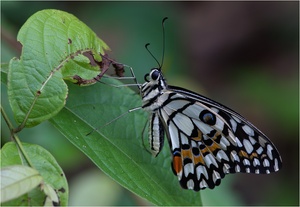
{"x":207,"y":139}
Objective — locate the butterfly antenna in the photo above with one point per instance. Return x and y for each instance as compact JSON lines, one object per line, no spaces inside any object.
{"x":164,"y":41}
{"x":163,"y":49}
{"x":146,"y":46}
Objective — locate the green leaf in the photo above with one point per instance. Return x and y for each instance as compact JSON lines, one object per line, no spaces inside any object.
{"x":118,"y":148}
{"x":55,"y":47}
{"x":47,"y":167}
{"x":17,"y":180}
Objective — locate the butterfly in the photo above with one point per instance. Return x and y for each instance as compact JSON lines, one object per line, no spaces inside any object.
{"x":207,"y":139}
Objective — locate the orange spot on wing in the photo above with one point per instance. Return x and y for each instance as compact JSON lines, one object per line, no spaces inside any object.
{"x":213,"y":147}
{"x":177,"y":164}
{"x":199,"y":137}
{"x":216,"y":135}
{"x":242,"y":153}
{"x":253,"y":155}
{"x":205,"y":150}
{"x":198,"y":159}
{"x":187,"y":154}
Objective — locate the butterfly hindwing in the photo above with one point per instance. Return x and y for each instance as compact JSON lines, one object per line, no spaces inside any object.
{"x":197,"y":158}
{"x":207,"y":143}
{"x":253,"y":152}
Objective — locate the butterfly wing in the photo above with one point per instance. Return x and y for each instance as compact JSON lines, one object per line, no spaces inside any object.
{"x":209,"y":140}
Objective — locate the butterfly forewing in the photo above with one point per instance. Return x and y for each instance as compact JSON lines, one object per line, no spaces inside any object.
{"x":207,"y":140}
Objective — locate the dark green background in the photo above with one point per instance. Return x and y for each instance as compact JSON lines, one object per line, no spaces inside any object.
{"x":242,"y":54}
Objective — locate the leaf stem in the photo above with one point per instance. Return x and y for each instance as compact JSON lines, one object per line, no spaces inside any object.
{"x":16,"y":138}
{"x":10,"y":126}
{"x":22,"y":150}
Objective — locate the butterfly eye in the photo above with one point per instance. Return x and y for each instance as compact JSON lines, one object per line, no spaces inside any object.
{"x":154,"y":74}
{"x":207,"y":117}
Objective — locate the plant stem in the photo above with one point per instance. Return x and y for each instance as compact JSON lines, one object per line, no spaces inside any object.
{"x":20,"y":146}
{"x":15,"y":137}
{"x":10,"y":126}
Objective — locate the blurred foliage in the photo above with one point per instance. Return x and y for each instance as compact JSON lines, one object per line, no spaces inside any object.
{"x":46,"y":173}
{"x":244,"y":54}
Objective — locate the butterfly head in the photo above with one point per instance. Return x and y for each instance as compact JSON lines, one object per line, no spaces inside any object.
{"x":155,"y":79}
{"x":153,"y":76}
{"x":153,"y":87}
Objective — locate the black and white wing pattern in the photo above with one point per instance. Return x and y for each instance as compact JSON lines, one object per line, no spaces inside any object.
{"x":207,"y":140}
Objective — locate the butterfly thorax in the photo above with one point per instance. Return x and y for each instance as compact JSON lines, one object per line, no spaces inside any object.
{"x":152,"y":90}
